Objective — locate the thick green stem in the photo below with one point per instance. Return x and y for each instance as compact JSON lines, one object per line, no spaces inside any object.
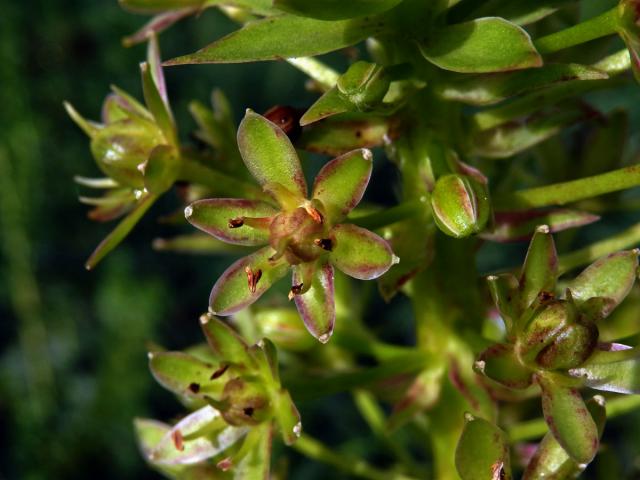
{"x":626,"y":239}
{"x":572,"y":191}
{"x":600,"y":26}
{"x":537,"y":428}
{"x":317,"y":451}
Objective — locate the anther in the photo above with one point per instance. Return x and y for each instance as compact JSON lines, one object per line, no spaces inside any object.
{"x":236,"y":222}
{"x":314,"y":213}
{"x":295,"y":290}
{"x":252,"y":278}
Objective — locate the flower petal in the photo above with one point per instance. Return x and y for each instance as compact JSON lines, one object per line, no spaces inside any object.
{"x":360,"y":253}
{"x":342,"y":182}
{"x":317,"y":305}
{"x":213,"y":216}
{"x":233,"y":290}
{"x":269,"y":154}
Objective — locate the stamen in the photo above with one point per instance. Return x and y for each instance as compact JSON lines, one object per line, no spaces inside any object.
{"x":176,"y":436}
{"x":324,"y":243}
{"x":295,"y":290}
{"x":236,"y":222}
{"x":252,"y":278}
{"x":314,"y":213}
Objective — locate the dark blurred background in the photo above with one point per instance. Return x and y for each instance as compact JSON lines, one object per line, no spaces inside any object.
{"x":73,"y":369}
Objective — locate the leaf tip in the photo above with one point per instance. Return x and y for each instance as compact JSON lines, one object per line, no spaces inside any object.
{"x":188,"y":211}
{"x":543,"y":229}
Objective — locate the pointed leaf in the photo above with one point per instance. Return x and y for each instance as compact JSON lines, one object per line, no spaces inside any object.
{"x":504,"y":292}
{"x":197,"y":437}
{"x":149,"y":433}
{"x":269,"y":155}
{"x":154,"y":6}
{"x":185,"y":375}
{"x":157,"y":106}
{"x":551,"y":461}
{"x":284,"y":36}
{"x":215,"y":215}
{"x":483,"y":45}
{"x":87,"y":126}
{"x":118,"y":234}
{"x":483,"y":451}
{"x":317,"y":305}
{"x":341,"y":183}
{"x":569,"y":420}
{"x":331,"y":103}
{"x":610,"y":277}
{"x":226,"y":344}
{"x":233,"y":291}
{"x":288,"y":418}
{"x":360,"y":253}
{"x":335,"y":9}
{"x":158,"y":24}
{"x":490,"y":89}
{"x":613,"y":371}
{"x":540,"y":268}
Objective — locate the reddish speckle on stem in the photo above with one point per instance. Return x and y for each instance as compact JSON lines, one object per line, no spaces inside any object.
{"x":236,"y":222}
{"x":176,"y":436}
{"x":252,"y":278}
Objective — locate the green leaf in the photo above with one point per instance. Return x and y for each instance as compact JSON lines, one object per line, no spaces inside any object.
{"x":269,"y":155}
{"x":197,"y":437}
{"x":339,"y":135}
{"x":500,"y":364}
{"x":233,"y":291}
{"x":504,"y":292}
{"x":162,"y":169}
{"x":341,"y":183}
{"x":158,"y":24}
{"x":611,"y":371}
{"x":157,"y":106}
{"x":284,"y":36}
{"x":483,"y":451}
{"x":288,"y":418}
{"x":483,"y":45}
{"x":331,"y":103}
{"x":610,"y":278}
{"x":569,"y":420}
{"x":226,"y":344}
{"x":317,"y":305}
{"x":551,"y":461}
{"x":540,"y":268}
{"x":335,"y":9}
{"x":491,"y":89}
{"x":185,"y":375}
{"x":216,"y":216}
{"x":360,"y":253}
{"x":118,"y":234}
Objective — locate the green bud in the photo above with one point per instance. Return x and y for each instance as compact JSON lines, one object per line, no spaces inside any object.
{"x":121,"y":148}
{"x":364,"y":84}
{"x":460,"y":205}
{"x":245,"y":403}
{"x":571,"y":347}
{"x":284,"y":327}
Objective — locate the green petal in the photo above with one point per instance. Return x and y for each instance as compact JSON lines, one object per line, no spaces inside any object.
{"x":270,"y":156}
{"x":284,"y":36}
{"x":331,"y":103}
{"x":611,"y":371}
{"x":317,"y":305}
{"x":569,"y":420}
{"x":483,"y":451}
{"x":213,"y":216}
{"x":483,"y":45}
{"x":288,"y":418}
{"x":341,"y":183}
{"x":226,"y":344}
{"x":232,"y":291}
{"x":360,"y":253}
{"x":540,"y":268}
{"x":610,"y":278}
{"x":184,"y":374}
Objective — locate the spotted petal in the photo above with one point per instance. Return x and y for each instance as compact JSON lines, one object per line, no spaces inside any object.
{"x":341,"y":183}
{"x":270,"y":156}
{"x":215,"y":216}
{"x":233,"y":290}
{"x":316,"y":305}
{"x":360,"y":253}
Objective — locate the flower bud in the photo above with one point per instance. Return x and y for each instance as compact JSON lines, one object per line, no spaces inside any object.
{"x":245,"y":403}
{"x":460,"y":205}
{"x":364,"y":84}
{"x":121,"y":147}
{"x":284,"y":327}
{"x":570,"y":348}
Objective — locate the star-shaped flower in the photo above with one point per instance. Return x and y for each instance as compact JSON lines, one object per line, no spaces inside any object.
{"x":299,"y":233}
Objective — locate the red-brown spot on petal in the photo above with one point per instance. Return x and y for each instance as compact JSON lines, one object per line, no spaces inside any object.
{"x":176,"y":436}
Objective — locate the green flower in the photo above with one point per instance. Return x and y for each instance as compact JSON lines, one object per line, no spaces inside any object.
{"x":301,"y":234}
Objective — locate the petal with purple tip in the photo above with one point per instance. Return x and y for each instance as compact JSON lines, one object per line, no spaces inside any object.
{"x":215,"y":216}
{"x":234,"y":290}
{"x":342,"y":182}
{"x":269,"y":154}
{"x":316,"y":306}
{"x":360,"y":253}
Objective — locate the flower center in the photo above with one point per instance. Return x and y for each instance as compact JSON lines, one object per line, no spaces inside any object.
{"x":295,"y":235}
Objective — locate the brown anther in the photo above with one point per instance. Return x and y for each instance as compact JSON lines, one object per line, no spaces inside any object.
{"x":194,"y":387}
{"x":219,"y":372}
{"x":176,"y":436}
{"x":295,"y":290}
{"x":236,"y":222}
{"x":324,"y":243}
{"x":314,"y":213}
{"x":252,"y":278}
